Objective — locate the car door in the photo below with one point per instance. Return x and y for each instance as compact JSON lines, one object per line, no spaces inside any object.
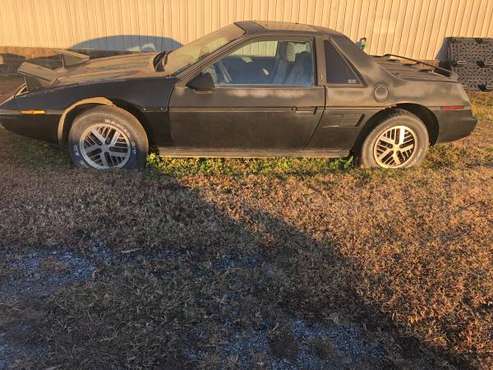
{"x":347,"y":100}
{"x":265,"y":98}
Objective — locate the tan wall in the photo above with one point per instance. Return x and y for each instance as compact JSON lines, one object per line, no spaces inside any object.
{"x":414,"y":28}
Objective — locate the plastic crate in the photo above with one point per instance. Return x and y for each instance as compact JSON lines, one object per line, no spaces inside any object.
{"x":472,"y":76}
{"x":461,"y":50}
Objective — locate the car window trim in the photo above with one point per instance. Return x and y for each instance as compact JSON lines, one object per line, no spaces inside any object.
{"x":361,"y":82}
{"x":278,"y":39}
{"x":185,"y":68}
{"x":193,"y":70}
{"x":232,"y":47}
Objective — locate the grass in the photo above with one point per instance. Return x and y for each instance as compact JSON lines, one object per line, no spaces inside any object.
{"x":218,"y":263}
{"x":244,"y":167}
{"x":482,"y":103}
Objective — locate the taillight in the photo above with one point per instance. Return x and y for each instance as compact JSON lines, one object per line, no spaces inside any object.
{"x":452,"y":107}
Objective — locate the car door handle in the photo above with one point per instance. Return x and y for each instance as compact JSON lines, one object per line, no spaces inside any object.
{"x":305,"y":110}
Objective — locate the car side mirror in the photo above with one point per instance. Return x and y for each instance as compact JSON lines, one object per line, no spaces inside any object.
{"x":202,"y":82}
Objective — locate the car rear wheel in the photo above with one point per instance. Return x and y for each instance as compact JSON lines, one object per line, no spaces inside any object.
{"x":105,"y":138}
{"x":400,"y":141}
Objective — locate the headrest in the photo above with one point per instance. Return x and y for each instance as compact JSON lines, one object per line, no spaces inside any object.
{"x":303,"y":58}
{"x":290,"y":52}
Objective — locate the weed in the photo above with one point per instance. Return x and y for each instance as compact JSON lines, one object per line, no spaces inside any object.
{"x":243,"y":167}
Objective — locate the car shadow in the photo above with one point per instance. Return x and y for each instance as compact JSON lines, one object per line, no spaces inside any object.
{"x":130,"y":43}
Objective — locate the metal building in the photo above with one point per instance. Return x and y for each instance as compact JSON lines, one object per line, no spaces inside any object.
{"x":414,"y":28}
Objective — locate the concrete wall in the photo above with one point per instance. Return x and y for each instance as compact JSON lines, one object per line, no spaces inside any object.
{"x":415,"y":28}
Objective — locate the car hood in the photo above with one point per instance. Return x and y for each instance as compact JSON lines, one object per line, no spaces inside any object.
{"x":85,"y":70}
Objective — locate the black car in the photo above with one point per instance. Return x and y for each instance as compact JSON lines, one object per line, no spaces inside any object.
{"x":251,"y":89}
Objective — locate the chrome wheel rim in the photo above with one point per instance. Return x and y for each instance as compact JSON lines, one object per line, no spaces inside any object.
{"x":104,"y":146}
{"x":395,"y":147}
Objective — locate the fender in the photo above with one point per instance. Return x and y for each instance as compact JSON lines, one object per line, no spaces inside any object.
{"x":61,"y":122}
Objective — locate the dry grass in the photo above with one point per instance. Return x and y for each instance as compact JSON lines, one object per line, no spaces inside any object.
{"x":201,"y":260}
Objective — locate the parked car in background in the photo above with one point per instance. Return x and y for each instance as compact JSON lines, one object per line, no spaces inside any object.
{"x":251,"y":89}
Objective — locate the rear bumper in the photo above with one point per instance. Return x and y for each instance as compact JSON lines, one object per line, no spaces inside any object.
{"x":454,"y":124}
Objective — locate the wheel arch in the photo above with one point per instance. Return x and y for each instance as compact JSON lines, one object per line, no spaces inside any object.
{"x":424,"y":114}
{"x":69,"y":115}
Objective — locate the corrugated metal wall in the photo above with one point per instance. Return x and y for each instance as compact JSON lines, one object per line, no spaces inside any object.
{"x":414,"y":28}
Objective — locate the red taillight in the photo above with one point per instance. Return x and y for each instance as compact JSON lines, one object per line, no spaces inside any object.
{"x":452,"y":107}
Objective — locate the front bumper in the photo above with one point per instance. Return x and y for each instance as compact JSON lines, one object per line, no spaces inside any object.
{"x":42,"y":127}
{"x":454,"y":124}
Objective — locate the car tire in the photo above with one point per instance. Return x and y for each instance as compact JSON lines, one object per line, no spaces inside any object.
{"x":107,"y":137}
{"x":400,"y":140}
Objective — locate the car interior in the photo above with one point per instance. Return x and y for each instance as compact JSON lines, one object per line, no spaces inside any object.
{"x":266,"y":63}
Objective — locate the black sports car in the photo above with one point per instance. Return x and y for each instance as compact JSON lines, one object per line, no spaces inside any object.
{"x":251,"y":89}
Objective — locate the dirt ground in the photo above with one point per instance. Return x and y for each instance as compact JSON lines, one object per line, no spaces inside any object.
{"x":211,"y":264}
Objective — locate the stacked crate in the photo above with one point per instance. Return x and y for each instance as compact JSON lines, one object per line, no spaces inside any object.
{"x":472,"y":60}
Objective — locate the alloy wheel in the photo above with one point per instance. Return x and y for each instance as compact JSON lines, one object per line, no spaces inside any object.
{"x":104,"y":146}
{"x":395,"y":147}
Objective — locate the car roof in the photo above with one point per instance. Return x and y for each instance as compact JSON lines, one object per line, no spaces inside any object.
{"x":267,"y":27}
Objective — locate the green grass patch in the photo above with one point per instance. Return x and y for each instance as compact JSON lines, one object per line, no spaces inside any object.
{"x":234,"y":167}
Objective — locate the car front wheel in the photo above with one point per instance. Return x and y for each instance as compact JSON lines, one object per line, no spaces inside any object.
{"x":107,"y":137}
{"x":400,"y":141}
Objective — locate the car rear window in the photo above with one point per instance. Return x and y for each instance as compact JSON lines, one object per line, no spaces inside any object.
{"x":338,"y":69}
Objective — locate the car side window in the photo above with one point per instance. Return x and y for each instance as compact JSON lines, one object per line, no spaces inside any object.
{"x":339,"y":70}
{"x":272,"y":62}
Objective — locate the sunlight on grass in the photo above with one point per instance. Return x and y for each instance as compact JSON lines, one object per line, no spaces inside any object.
{"x":234,"y":167}
{"x":482,"y":106}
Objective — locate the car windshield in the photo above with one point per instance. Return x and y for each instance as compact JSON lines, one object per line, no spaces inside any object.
{"x":187,"y":55}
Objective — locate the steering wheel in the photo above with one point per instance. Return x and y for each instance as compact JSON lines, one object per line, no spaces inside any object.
{"x":224,"y":72}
